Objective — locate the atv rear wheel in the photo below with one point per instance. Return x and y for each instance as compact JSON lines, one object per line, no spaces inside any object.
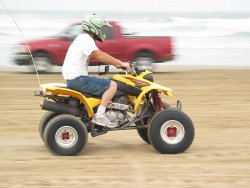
{"x":45,"y":119}
{"x":171,"y":131}
{"x":65,"y":135}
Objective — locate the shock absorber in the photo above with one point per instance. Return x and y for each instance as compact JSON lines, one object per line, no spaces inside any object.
{"x":158,"y":104}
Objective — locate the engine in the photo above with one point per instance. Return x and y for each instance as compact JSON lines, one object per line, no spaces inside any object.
{"x":117,"y":111}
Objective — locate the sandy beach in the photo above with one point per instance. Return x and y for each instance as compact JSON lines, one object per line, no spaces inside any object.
{"x":218,"y":102}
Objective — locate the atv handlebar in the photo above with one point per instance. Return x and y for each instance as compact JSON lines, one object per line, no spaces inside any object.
{"x":132,"y":68}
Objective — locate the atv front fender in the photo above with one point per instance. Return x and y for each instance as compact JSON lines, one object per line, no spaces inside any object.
{"x":157,"y":87}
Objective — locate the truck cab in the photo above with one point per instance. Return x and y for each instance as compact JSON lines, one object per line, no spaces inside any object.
{"x":52,"y":50}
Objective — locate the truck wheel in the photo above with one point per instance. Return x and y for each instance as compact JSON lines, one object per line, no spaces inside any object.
{"x":43,"y":63}
{"x":171,"y":131}
{"x":45,"y":119}
{"x":65,"y":135}
{"x":143,"y":133}
{"x":144,"y":61}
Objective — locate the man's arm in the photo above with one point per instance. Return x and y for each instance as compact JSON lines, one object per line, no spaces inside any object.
{"x":108,"y":59}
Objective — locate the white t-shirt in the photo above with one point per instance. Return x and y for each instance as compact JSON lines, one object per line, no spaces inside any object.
{"x":78,"y":55}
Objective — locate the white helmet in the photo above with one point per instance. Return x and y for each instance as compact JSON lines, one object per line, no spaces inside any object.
{"x":94,"y":24}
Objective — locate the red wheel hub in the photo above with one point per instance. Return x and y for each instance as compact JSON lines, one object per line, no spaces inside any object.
{"x":65,"y":135}
{"x":171,"y":132}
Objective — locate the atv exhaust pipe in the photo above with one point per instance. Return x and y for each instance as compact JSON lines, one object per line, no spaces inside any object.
{"x":60,"y":108}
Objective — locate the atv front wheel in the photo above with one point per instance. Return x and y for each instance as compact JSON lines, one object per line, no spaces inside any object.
{"x":65,"y":135}
{"x":171,"y":131}
{"x":143,"y":133}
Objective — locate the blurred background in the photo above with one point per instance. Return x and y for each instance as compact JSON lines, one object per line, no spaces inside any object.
{"x":205,"y":34}
{"x":214,"y":33}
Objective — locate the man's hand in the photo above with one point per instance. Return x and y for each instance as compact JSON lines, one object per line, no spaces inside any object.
{"x":125,"y":66}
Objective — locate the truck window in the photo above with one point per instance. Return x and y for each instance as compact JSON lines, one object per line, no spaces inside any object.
{"x":108,"y":32}
{"x":72,"y":31}
{"x":75,"y":30}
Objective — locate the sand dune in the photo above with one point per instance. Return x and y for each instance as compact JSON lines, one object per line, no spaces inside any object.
{"x":218,"y":102}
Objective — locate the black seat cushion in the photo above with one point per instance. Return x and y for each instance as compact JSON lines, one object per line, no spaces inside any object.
{"x":85,"y":94}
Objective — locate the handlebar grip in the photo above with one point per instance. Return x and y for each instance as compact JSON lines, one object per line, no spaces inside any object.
{"x":123,"y":68}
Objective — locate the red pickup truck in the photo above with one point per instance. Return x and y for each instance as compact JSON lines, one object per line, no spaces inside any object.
{"x":142,"y":50}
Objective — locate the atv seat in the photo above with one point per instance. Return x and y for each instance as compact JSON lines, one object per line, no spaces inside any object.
{"x":60,"y":89}
{"x":68,"y":90}
{"x":87,"y":95}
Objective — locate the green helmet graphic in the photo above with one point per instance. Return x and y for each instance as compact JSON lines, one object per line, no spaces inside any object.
{"x":94,"y":24}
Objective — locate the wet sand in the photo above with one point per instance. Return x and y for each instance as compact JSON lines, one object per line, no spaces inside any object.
{"x":218,"y":101}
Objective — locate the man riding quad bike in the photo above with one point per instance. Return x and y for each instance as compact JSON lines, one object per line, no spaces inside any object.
{"x":129,"y":100}
{"x":136,"y":105}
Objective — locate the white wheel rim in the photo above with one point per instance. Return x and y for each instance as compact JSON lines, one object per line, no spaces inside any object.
{"x":172,"y":132}
{"x":66,"y":137}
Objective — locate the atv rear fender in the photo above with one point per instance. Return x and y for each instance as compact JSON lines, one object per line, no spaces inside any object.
{"x":61,"y":89}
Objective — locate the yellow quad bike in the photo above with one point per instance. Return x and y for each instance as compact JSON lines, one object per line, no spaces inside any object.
{"x":136,"y":105}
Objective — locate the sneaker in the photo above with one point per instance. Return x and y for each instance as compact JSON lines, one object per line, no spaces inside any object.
{"x":103,"y":121}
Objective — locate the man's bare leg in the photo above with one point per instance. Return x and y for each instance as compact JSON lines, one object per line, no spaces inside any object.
{"x":100,"y":117}
{"x":109,"y":94}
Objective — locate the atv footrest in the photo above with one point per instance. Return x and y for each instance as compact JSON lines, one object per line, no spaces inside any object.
{"x":97,"y":130}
